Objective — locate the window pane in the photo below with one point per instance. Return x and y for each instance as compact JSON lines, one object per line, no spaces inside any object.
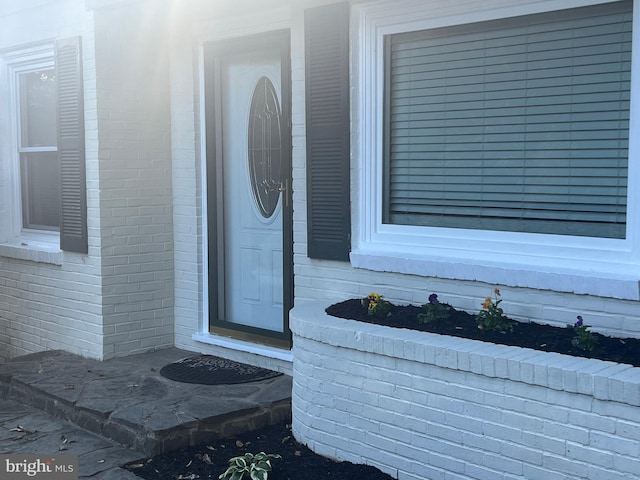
{"x":40,"y":190}
{"x":517,"y":125}
{"x":38,"y":108}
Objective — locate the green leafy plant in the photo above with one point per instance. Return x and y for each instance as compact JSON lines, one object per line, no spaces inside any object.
{"x":255,"y":467}
{"x":376,"y":305}
{"x":491,"y":317}
{"x":434,"y":310}
{"x":583,"y":339}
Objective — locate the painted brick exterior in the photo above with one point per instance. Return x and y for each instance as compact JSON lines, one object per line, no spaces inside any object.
{"x":118,"y":299}
{"x":187,"y":180}
{"x":419,"y":407}
{"x":136,"y":212}
{"x":416,"y":406}
{"x":146,"y":265}
{"x":51,"y":300}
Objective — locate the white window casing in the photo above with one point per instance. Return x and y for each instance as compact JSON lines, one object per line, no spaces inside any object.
{"x":583,"y":265}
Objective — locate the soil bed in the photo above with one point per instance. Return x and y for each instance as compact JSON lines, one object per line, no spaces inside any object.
{"x":209,"y":461}
{"x":536,"y":336}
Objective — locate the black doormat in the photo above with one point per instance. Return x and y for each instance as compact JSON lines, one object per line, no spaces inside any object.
{"x":210,"y":370}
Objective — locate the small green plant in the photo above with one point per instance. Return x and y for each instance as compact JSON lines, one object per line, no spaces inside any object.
{"x":584,"y":339}
{"x":255,"y":467}
{"x":376,"y":305}
{"x":434,"y":310}
{"x":491,"y":317}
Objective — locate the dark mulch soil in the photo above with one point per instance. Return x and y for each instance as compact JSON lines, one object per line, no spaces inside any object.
{"x":209,"y":461}
{"x":529,"y":335}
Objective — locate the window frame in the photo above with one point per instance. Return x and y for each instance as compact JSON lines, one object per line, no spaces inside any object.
{"x":16,"y":241}
{"x":585,"y":265}
{"x":24,"y":150}
{"x":478,"y":154}
{"x":16,"y":63}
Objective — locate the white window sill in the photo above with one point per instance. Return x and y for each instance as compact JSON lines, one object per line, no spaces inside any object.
{"x":616,"y":281}
{"x":34,"y":247}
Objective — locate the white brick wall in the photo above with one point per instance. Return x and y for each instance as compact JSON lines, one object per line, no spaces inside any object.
{"x":189,"y":281}
{"x":419,"y":406}
{"x":48,"y":307}
{"x":136,"y":211}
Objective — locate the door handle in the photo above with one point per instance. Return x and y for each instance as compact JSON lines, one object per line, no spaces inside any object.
{"x":284,"y":189}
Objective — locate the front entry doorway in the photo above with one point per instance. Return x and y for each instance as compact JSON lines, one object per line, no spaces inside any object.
{"x":248,"y":143}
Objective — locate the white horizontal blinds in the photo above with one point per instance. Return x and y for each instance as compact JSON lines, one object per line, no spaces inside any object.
{"x":520,"y":124}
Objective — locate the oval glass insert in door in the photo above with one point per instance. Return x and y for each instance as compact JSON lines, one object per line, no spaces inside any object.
{"x":265,"y":147}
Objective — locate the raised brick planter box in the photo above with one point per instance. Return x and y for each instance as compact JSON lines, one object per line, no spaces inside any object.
{"x":423,"y":406}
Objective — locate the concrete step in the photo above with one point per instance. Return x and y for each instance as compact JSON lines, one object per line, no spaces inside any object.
{"x":129,"y":402}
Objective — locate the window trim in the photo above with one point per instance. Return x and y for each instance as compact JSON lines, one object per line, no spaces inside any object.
{"x":18,"y":242}
{"x":596,"y":266}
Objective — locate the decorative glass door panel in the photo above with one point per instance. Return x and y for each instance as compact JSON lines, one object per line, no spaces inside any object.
{"x":265,"y":149}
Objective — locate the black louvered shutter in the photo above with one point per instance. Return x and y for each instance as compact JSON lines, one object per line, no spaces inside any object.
{"x":327,"y":109}
{"x":73,"y":220}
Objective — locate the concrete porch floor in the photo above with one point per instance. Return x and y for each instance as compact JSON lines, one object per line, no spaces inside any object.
{"x":124,"y":408}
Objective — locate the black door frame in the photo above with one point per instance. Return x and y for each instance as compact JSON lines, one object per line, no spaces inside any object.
{"x":214,"y":53}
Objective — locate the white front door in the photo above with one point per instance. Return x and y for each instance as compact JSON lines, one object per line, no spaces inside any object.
{"x":252,"y":169}
{"x":252,"y":204}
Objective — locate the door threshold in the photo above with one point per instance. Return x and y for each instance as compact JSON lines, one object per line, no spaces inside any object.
{"x":244,"y":346}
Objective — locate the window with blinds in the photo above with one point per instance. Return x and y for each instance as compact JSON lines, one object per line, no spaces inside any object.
{"x":520,"y":124}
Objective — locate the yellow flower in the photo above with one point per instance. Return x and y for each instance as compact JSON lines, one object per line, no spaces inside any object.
{"x":373,"y":297}
{"x":486,"y":303}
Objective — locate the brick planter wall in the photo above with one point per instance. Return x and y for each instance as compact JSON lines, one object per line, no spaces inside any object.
{"x":422,"y":406}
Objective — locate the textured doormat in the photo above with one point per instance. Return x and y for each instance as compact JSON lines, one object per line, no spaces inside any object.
{"x":210,"y":370}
